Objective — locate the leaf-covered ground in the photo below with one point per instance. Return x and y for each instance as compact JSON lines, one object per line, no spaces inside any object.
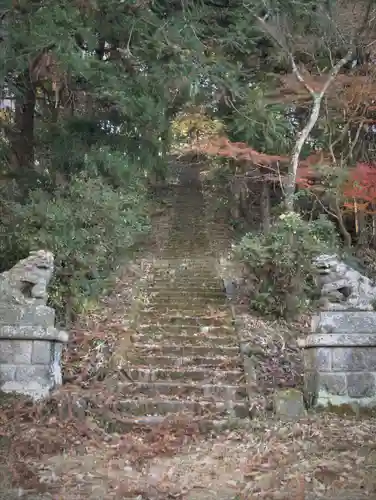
{"x":323,"y":457}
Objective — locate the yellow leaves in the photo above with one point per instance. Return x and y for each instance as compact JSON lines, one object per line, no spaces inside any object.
{"x":195,"y":124}
{"x":5,"y":115}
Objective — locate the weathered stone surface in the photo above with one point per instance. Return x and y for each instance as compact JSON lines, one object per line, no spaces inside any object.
{"x":344,"y":334}
{"x":33,"y":332}
{"x":361,"y":385}
{"x":289,"y":404}
{"x":338,"y":339}
{"x":343,"y":287}
{"x":318,"y":359}
{"x":41,"y":352}
{"x":16,"y":351}
{"x":35,"y":389}
{"x":347,"y":359}
{"x":35,"y":373}
{"x":30,"y":345}
{"x":27,"y":281}
{"x":332,"y":383}
{"x":37,"y":315}
{"x":7,"y":373}
{"x":321,"y":389}
{"x":350,"y":322}
{"x":55,"y":365}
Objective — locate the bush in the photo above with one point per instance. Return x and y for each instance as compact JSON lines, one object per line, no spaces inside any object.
{"x":89,"y":226}
{"x":279,"y":263}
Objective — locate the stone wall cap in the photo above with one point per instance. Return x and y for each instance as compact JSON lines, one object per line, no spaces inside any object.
{"x":344,"y":322}
{"x":11,"y":332}
{"x":346,"y":312}
{"x":338,"y":340}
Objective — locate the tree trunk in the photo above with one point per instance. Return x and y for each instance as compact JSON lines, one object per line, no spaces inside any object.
{"x":265,"y":206}
{"x":362,"y":236}
{"x":22,"y":136}
{"x":373,"y":239}
{"x":346,"y":235}
{"x":303,"y":135}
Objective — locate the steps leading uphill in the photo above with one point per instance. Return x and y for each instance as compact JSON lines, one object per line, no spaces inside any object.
{"x":186,"y":358}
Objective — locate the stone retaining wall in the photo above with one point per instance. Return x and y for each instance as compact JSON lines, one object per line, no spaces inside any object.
{"x":30,"y":345}
{"x":340,"y":359}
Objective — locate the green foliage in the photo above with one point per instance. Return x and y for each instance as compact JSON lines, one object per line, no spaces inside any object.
{"x":267,"y":127}
{"x":89,"y":226}
{"x":280,"y":262}
{"x":109,"y":78}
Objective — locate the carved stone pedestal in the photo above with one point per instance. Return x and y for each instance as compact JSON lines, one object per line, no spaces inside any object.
{"x":340,"y":359}
{"x":30,"y":345}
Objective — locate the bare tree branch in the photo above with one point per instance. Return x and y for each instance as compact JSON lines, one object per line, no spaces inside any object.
{"x":304,"y":134}
{"x":315,"y":112}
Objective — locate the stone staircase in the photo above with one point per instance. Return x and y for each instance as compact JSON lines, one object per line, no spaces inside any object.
{"x":186,"y":357}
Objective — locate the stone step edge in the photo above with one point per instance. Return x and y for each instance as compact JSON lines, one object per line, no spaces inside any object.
{"x":201,"y":287}
{"x":200,"y":280}
{"x":186,"y":370}
{"x":182,"y":402}
{"x":164,"y":340}
{"x":190,"y":358}
{"x":152,"y":420}
{"x":198,"y":294}
{"x":198,"y":328}
{"x":172,"y":314}
{"x":168,"y":335}
{"x":185,"y":300}
{"x":185,"y":283}
{"x":184,"y":385}
{"x":141,"y":345}
{"x":182,"y":261}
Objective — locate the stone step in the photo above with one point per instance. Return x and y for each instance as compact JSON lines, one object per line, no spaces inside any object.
{"x":158,"y":319}
{"x":171,"y":329}
{"x":179,"y":261}
{"x":191,"y":275}
{"x":198,"y":339}
{"x":190,"y":285}
{"x":147,"y":423}
{"x":186,"y":298}
{"x":184,"y":390}
{"x":167,"y":406}
{"x":185,"y":304}
{"x":185,"y":285}
{"x":185,"y":310}
{"x":205,"y":268}
{"x":181,"y":295}
{"x":185,"y":350}
{"x":189,"y":279}
{"x":187,"y":374}
{"x":203,"y":308}
{"x":184,"y":361}
{"x":186,"y":288}
{"x":185,"y":294}
{"x":185,"y":269}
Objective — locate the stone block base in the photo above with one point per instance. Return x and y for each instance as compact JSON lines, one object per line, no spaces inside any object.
{"x":30,"y":367}
{"x":340,"y":369}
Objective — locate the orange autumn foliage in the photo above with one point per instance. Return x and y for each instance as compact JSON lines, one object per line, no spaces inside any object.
{"x":359,"y":187}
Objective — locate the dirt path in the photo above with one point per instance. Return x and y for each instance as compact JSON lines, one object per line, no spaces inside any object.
{"x":324,"y":457}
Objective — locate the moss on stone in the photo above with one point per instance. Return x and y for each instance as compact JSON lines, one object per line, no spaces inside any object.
{"x":349,"y":410}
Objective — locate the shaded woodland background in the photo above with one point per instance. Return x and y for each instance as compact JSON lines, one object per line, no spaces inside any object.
{"x":101,"y":100}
